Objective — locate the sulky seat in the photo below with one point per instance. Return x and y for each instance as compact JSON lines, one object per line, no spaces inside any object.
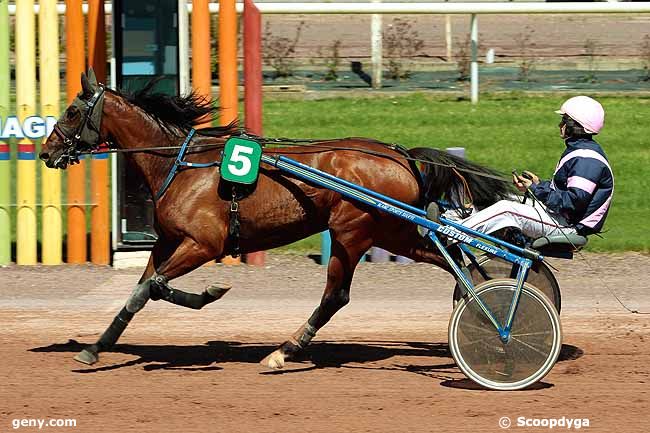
{"x":561,"y":246}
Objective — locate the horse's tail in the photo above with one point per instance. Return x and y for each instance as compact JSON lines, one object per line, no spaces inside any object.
{"x":458,"y":181}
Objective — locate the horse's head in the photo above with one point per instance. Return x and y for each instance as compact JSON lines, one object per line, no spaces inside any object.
{"x":79,"y":128}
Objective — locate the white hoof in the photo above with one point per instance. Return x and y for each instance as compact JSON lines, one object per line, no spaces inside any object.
{"x":274,"y":361}
{"x":218,"y":290}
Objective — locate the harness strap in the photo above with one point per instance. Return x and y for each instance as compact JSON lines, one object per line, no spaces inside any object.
{"x":178,"y":163}
{"x":234,"y":225}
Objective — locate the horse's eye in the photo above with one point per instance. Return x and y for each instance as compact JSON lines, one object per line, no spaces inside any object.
{"x":70,"y":113}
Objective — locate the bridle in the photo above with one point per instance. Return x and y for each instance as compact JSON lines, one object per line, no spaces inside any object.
{"x":87,"y":135}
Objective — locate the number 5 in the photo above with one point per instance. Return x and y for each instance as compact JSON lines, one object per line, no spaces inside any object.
{"x":237,"y":156}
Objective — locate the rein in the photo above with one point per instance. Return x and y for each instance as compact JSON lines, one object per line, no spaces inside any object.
{"x":306,"y":142}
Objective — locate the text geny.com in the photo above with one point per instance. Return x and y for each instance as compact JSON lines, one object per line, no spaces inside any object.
{"x":41,"y":422}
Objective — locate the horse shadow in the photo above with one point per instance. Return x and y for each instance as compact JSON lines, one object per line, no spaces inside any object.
{"x":319,"y":355}
{"x":202,"y":357}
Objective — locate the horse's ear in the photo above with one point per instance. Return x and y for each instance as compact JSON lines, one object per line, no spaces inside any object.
{"x":92,"y":78}
{"x":86,"y":87}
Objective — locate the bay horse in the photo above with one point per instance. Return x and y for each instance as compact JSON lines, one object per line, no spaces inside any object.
{"x":192,"y":216}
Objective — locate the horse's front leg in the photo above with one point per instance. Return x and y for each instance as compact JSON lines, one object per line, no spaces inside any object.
{"x":347,"y":249}
{"x":165,"y":263}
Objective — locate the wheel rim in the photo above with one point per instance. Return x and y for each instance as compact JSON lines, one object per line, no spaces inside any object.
{"x":529,"y":354}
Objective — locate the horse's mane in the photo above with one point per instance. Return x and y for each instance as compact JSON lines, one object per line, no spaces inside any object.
{"x":447,"y":177}
{"x":176,"y":115}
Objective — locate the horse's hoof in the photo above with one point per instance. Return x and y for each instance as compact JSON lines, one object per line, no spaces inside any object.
{"x":218,"y":290}
{"x":87,"y":357}
{"x":274,"y":361}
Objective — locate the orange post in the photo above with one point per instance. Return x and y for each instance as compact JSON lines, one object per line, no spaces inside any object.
{"x":228,"y":61}
{"x":228,"y":70}
{"x":253,"y":86}
{"x":97,"y":39}
{"x":99,"y":215}
{"x":74,"y":40}
{"x":201,"y":58}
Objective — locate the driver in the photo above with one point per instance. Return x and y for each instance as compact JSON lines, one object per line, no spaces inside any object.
{"x":576,"y":199}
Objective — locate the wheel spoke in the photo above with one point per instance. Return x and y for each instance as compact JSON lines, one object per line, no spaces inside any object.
{"x":474,"y":342}
{"x":478,"y":328}
{"x":528,"y":325}
{"x":530,"y":333}
{"x":530,"y":346}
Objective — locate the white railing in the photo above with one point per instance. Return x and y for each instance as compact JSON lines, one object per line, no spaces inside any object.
{"x":376,"y":8}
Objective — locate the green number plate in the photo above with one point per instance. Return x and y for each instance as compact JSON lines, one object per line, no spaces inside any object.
{"x":241,"y":160}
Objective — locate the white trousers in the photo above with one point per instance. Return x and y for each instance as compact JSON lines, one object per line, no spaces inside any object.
{"x":532,"y":218}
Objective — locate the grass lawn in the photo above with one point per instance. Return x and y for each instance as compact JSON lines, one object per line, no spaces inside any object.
{"x":505,"y":132}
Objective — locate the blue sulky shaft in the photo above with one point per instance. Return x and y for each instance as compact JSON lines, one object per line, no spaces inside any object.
{"x":403,"y":206}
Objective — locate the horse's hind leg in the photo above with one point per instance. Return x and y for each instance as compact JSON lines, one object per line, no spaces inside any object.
{"x":165,"y":263}
{"x":347,"y":249}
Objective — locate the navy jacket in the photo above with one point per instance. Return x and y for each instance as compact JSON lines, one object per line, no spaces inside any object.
{"x":582,"y":186}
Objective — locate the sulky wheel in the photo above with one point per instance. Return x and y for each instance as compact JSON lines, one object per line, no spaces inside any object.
{"x":526,"y":357}
{"x":540,"y":276}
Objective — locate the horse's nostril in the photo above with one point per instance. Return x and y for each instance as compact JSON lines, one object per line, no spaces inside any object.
{"x":44,"y":156}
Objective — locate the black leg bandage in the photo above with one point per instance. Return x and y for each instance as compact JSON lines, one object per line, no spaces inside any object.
{"x":160,"y":289}
{"x":113,"y":332}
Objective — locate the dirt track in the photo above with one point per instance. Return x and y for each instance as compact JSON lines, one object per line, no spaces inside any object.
{"x":382,"y":364}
